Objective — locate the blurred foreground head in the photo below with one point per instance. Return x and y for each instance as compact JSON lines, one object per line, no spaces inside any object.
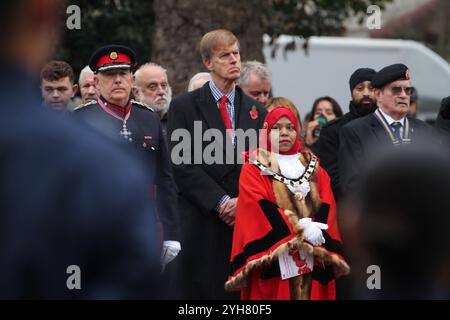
{"x":29,"y":31}
{"x":399,"y":222}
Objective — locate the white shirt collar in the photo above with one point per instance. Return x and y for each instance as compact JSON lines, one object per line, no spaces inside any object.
{"x":390,"y":120}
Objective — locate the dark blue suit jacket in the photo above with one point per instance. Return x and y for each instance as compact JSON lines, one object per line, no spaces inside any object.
{"x":69,"y":197}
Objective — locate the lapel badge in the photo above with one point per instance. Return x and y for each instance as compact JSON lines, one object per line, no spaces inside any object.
{"x":254,"y":113}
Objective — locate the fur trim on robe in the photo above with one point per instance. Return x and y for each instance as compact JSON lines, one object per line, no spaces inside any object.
{"x":266,"y":226}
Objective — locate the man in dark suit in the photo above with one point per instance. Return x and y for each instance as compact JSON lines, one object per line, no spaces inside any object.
{"x":117,"y":116}
{"x":362,"y":103}
{"x":209,"y":190}
{"x":68,"y":198}
{"x":364,"y":138}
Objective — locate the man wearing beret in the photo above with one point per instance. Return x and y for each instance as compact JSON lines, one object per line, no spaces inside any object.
{"x":128,"y":121}
{"x":362,"y":103}
{"x":363,"y":138}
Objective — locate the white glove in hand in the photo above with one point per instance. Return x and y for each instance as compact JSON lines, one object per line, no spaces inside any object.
{"x":313,"y":231}
{"x":169,"y":252}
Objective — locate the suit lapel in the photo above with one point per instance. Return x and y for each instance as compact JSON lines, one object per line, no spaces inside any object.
{"x":378,"y":130}
{"x":241,"y":105}
{"x":412,"y":124}
{"x":208,"y":108}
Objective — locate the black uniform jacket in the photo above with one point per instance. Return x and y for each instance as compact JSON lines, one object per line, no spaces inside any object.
{"x":144,"y":132}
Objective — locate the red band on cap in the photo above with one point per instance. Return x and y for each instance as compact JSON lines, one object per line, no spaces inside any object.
{"x":121,"y":58}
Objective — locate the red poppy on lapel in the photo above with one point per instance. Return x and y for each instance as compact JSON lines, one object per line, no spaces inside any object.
{"x":254,"y":113}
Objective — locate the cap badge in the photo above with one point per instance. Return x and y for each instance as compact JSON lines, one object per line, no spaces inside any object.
{"x":113,"y":55}
{"x":407,"y":74}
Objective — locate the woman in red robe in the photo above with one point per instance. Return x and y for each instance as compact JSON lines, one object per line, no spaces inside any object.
{"x":285,"y":222}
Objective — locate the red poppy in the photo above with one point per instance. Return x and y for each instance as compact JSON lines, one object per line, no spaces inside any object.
{"x":254,"y":113}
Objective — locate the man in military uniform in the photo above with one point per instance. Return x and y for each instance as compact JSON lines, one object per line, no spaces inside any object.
{"x":62,"y":206}
{"x":129,"y":121}
{"x":363,"y":139}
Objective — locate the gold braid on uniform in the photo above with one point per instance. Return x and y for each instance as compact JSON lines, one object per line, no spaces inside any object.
{"x":142,"y":105}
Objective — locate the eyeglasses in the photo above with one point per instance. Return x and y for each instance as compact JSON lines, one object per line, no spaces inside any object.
{"x":396,"y":91}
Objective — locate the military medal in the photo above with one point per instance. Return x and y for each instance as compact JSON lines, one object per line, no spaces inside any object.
{"x":124,"y":132}
{"x":406,"y":139}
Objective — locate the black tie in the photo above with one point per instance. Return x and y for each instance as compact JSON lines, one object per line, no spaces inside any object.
{"x":396,"y":126}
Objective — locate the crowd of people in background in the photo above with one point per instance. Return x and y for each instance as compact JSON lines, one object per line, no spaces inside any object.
{"x":303,"y":211}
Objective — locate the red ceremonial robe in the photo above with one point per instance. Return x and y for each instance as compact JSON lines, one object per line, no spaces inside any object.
{"x":263,"y":230}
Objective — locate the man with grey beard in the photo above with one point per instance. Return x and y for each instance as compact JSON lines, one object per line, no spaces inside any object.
{"x":151,"y":87}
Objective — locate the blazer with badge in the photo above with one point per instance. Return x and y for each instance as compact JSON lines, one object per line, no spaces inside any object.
{"x":362,"y":139}
{"x":207,"y":244}
{"x":143,"y":130}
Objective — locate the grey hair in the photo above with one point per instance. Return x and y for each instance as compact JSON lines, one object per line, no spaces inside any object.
{"x":147,"y":65}
{"x":197,"y":77}
{"x":256,"y":67}
{"x":86,"y":70}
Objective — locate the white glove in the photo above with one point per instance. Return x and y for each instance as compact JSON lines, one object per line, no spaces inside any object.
{"x":313,"y":231}
{"x":169,"y":252}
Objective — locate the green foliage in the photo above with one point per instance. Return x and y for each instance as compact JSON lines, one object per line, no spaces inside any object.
{"x":127,"y":22}
{"x":313,"y":17}
{"x":131,"y":22}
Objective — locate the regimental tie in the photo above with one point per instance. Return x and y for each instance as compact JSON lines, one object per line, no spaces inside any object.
{"x":394,"y":130}
{"x":122,"y":114}
{"x":396,"y":126}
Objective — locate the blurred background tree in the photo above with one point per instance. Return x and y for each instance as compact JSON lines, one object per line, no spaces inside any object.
{"x":128,"y":22}
{"x":168,"y":31}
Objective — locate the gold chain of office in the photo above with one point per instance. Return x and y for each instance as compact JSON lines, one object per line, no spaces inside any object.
{"x":289,"y":182}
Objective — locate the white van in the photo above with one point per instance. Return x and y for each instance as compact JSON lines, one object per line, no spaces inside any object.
{"x":326,"y":66}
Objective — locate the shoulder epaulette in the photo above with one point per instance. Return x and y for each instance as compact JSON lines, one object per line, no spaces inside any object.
{"x":142,"y":105}
{"x":85,"y":105}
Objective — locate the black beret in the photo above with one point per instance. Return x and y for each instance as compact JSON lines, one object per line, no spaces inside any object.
{"x":361,"y":75}
{"x":112,"y":57}
{"x":390,"y":74}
